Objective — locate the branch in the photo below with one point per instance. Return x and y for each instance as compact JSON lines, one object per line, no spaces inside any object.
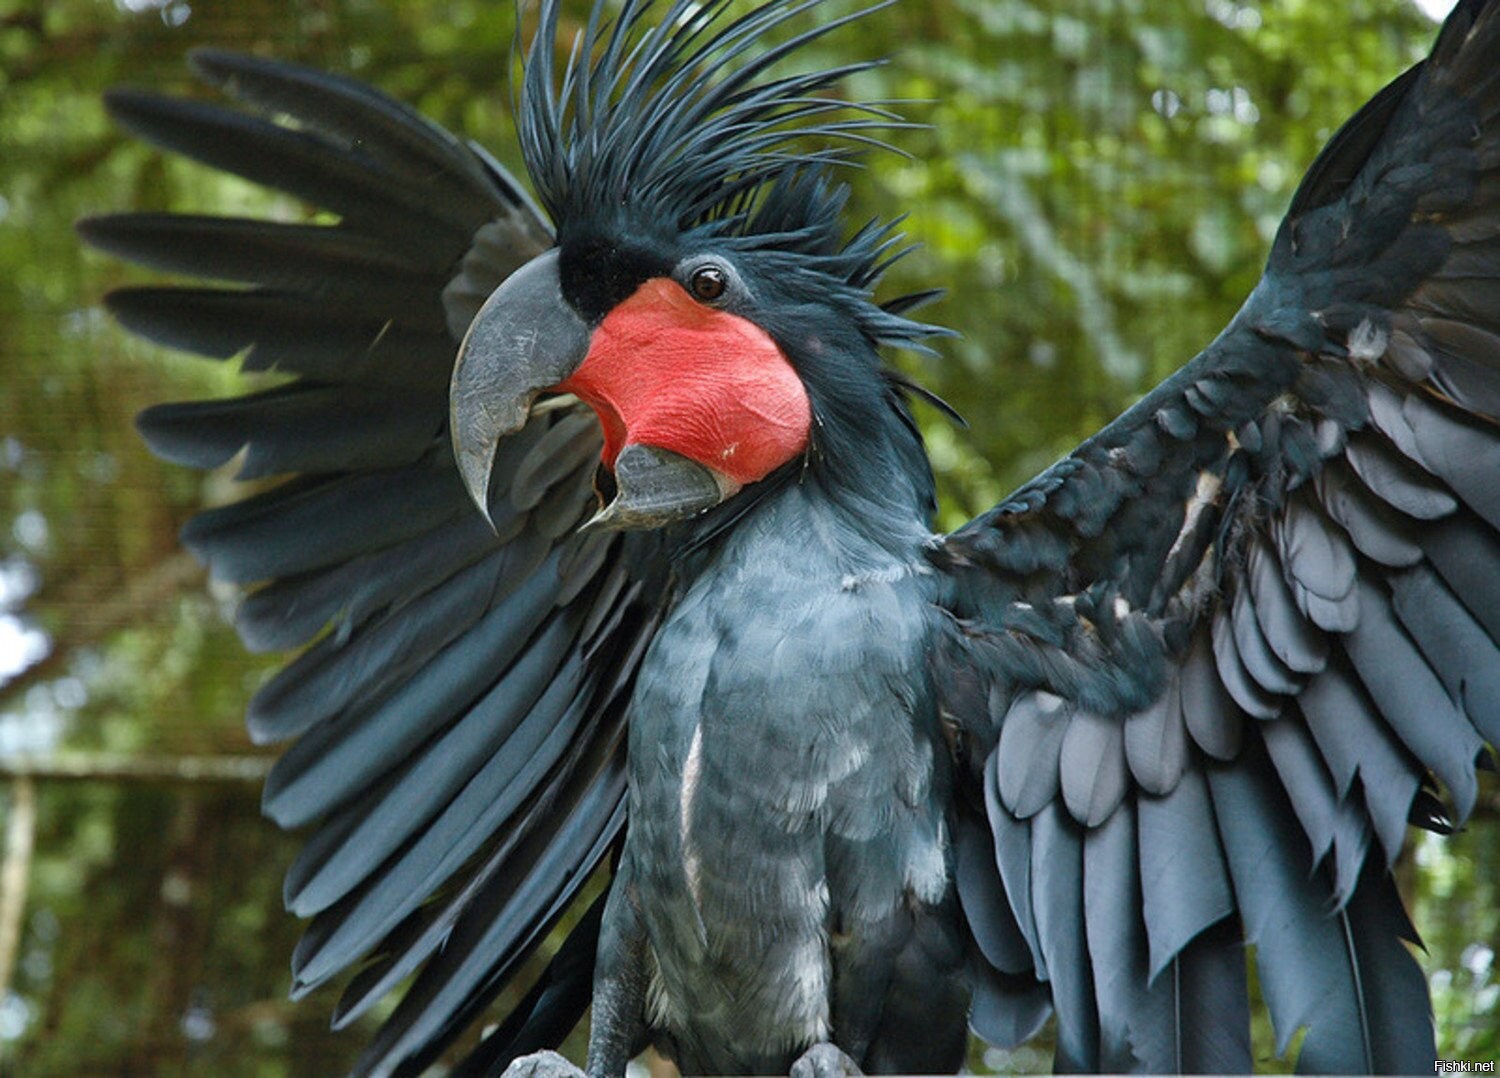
{"x":15,"y":875}
{"x":112,"y":767}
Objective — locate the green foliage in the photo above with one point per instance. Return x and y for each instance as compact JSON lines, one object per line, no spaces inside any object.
{"x":1095,"y":186}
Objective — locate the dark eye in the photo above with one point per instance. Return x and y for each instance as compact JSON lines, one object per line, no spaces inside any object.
{"x":708,"y":283}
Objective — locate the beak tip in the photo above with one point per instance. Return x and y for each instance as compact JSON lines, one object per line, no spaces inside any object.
{"x":474,"y":469}
{"x":605,"y":518}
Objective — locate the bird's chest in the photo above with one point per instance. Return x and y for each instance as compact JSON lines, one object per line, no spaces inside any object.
{"x":782,"y":766}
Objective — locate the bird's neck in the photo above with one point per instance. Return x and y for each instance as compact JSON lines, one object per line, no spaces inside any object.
{"x":850,"y":530}
{"x":865,"y":475}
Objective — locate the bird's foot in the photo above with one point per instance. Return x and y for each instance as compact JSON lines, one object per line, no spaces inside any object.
{"x":542,"y":1065}
{"x":824,"y":1061}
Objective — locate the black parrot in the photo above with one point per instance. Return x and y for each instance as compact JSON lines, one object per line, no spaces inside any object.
{"x":862,"y":787}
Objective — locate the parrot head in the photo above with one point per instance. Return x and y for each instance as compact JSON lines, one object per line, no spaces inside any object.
{"x":701,"y":296}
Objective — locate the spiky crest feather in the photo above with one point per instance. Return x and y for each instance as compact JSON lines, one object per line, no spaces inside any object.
{"x":668,"y":128}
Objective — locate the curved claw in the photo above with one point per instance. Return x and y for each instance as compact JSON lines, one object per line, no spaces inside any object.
{"x":546,"y":1064}
{"x":824,"y":1060}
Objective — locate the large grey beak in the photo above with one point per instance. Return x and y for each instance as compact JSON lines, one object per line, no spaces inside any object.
{"x":526,"y":338}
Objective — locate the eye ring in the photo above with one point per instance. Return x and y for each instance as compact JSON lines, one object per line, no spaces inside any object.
{"x":708,"y":284}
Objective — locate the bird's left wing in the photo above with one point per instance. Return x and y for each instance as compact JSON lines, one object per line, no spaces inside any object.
{"x":1205,"y":669}
{"x":457,"y":707}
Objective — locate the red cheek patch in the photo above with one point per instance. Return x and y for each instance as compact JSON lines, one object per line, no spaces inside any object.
{"x":664,"y":370}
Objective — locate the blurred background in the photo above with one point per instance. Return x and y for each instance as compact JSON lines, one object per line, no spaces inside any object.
{"x":1096,"y":186}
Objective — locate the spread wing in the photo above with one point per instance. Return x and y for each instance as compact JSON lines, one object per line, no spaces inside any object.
{"x":455,"y":713}
{"x":1205,"y":669}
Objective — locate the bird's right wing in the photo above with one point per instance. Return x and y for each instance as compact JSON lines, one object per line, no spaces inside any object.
{"x":456,"y":709}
